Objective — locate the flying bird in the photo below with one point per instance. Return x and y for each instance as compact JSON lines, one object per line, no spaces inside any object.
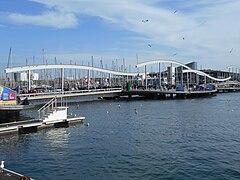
{"x":174,"y":54}
{"x":183,"y":38}
{"x":175,"y":11}
{"x":231,"y":50}
{"x":149,"y":45}
{"x":144,"y":21}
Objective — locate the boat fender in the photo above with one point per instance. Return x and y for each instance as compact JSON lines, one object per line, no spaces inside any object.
{"x":25,"y":178}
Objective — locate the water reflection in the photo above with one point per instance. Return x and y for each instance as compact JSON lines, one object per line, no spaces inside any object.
{"x":56,"y":138}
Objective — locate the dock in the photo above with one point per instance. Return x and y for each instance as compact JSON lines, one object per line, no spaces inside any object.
{"x":162,"y":94}
{"x":34,"y":125}
{"x":50,"y":116}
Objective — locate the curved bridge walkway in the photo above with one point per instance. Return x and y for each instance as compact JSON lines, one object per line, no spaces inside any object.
{"x":108,"y":91}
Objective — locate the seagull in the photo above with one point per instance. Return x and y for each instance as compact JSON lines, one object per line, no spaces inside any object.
{"x":231,"y":50}
{"x":174,"y":54}
{"x":144,"y":21}
{"x":107,"y":112}
{"x":119,"y":105}
{"x":183,"y":38}
{"x":2,"y":164}
{"x":175,"y":11}
{"x":136,"y":111}
{"x":149,"y":45}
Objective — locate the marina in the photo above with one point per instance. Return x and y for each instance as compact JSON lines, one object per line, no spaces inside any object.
{"x":180,"y":81}
{"x":123,"y":90}
{"x":121,"y":106}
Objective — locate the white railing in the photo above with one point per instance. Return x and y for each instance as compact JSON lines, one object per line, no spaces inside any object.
{"x":50,"y":105}
{"x":69,"y":92}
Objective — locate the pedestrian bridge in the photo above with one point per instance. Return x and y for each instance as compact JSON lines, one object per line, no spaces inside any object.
{"x":127,"y":76}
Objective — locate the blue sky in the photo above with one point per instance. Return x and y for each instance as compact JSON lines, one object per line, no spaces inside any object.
{"x":204,"y":31}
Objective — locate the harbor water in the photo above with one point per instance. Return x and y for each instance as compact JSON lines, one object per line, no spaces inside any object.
{"x":134,"y":139}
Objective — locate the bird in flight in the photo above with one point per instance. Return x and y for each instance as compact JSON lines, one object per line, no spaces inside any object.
{"x":174,"y":54}
{"x":231,"y":50}
{"x":175,"y":11}
{"x":149,"y":45}
{"x":183,"y":38}
{"x":144,"y":21}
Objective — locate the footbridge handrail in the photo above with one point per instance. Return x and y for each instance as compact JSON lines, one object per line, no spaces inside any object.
{"x":68,"y":92}
{"x":161,"y":61}
{"x":66,"y":66}
{"x":205,"y":74}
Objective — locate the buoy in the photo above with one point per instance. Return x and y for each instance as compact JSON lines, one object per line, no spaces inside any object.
{"x":2,"y":164}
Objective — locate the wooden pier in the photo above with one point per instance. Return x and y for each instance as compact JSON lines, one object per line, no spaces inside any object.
{"x":167,"y":94}
{"x":228,"y":89}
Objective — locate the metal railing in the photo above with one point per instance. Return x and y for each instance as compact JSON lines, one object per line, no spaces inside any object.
{"x":50,"y":105}
{"x":68,"y":92}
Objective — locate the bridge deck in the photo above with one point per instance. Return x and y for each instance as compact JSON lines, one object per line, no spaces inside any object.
{"x":156,"y":93}
{"x":71,"y":94}
{"x":115,"y":92}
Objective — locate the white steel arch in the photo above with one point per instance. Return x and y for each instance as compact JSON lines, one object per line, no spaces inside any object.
{"x":204,"y":74}
{"x":188,"y":69}
{"x":66,"y":66}
{"x":233,"y":66}
{"x":161,"y":61}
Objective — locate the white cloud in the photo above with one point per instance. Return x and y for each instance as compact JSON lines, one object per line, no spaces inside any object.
{"x":51,"y":19}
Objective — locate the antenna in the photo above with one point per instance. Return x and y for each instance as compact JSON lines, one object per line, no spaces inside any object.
{"x":10,"y":58}
{"x":101,"y":63}
{"x":9,"y":66}
{"x":33,"y":60}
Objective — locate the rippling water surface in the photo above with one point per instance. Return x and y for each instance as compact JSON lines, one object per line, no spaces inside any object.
{"x":142,"y":139}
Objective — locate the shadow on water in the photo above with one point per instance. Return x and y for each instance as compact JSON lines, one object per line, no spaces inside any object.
{"x":12,"y":117}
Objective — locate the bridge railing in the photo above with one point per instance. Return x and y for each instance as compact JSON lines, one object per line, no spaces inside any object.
{"x":68,"y":92}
